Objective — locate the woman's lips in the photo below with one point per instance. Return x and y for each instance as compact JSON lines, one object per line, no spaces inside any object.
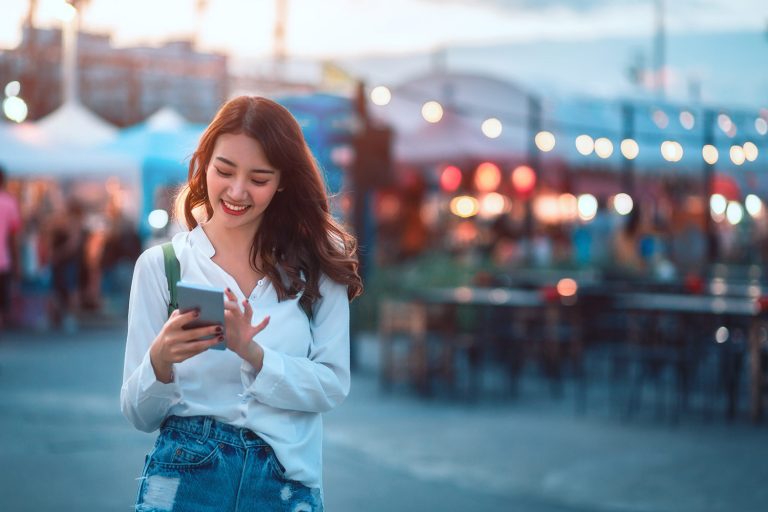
{"x":230,"y":211}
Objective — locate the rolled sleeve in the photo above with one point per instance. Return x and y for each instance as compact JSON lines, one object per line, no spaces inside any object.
{"x":144,"y":400}
{"x":318,"y":382}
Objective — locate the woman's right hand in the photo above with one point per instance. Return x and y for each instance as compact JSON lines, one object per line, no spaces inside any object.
{"x":174,"y":344}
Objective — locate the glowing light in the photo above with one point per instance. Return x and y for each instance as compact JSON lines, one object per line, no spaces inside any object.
{"x":660,"y":118}
{"x":734,"y":213}
{"x":491,"y":128}
{"x":709,"y":154}
{"x":15,"y":109}
{"x":587,"y":205}
{"x":569,"y":206}
{"x":737,"y":155}
{"x":722,"y":334}
{"x":464,"y":206}
{"x":567,"y":287}
{"x":750,"y":151}
{"x":585,"y":145}
{"x":64,"y":11}
{"x":12,"y":88}
{"x":432,"y":112}
{"x":487,"y":177}
{"x":725,"y":123}
{"x":381,"y":95}
{"x":546,"y":209}
{"x":718,"y":204}
{"x":761,"y":126}
{"x":671,"y":150}
{"x":629,"y":149}
{"x":493,"y":204}
{"x":450,"y":178}
{"x":687,"y":120}
{"x":545,"y":141}
{"x":158,"y":219}
{"x":754,"y":206}
{"x":523,"y":179}
{"x":623,"y":203}
{"x":603,"y":147}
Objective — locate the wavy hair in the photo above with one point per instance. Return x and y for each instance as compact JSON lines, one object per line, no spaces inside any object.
{"x":297,"y":239}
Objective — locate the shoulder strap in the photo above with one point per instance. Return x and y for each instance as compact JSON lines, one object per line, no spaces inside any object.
{"x":172,"y":274}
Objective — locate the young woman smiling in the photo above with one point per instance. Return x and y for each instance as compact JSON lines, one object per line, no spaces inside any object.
{"x":241,"y":429}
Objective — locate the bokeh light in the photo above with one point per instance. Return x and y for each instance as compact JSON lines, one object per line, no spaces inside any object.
{"x":710,"y":154}
{"x":734,"y":212}
{"x":687,"y":120}
{"x":158,"y":219}
{"x":450,"y":178}
{"x":603,"y":147}
{"x":737,"y":154}
{"x":12,"y":88}
{"x":492,"y":205}
{"x":487,"y":177}
{"x":623,"y":203}
{"x":464,"y":206}
{"x":718,"y":204}
{"x":660,"y":118}
{"x":432,"y":112}
{"x":545,"y":141}
{"x":671,"y":150}
{"x":381,"y":95}
{"x":585,"y":144}
{"x":523,"y":179}
{"x":629,"y":149}
{"x":587,"y":205}
{"x":492,"y":128}
{"x":567,"y":287}
{"x":754,"y":206}
{"x":15,"y":109}
{"x":750,"y":151}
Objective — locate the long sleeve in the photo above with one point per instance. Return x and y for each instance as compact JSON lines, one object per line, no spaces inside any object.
{"x":144,"y":400}
{"x":321,"y":380}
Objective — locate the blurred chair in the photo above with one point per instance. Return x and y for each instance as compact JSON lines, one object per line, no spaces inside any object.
{"x":423,"y":345}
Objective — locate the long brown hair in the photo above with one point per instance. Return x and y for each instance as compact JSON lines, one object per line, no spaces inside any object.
{"x":298,"y":239}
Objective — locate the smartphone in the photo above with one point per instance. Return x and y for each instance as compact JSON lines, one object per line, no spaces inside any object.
{"x":206,"y":299}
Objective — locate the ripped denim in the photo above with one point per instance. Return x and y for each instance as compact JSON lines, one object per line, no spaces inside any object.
{"x":199,"y":464}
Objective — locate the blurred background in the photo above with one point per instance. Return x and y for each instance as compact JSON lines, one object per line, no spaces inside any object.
{"x":560,"y":207}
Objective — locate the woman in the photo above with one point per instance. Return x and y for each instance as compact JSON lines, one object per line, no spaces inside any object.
{"x":241,"y":429}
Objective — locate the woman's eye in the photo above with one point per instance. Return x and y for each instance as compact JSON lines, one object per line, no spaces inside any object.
{"x":221,"y":173}
{"x":260,"y":183}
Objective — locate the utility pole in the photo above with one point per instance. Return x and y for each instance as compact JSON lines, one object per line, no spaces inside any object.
{"x":660,"y":74}
{"x":279,"y":50}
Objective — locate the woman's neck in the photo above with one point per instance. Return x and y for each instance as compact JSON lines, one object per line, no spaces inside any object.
{"x":237,"y":242}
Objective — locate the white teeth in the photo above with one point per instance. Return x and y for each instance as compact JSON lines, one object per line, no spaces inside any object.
{"x":234,"y":207}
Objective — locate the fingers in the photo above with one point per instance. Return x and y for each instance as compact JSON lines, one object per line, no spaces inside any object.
{"x":247,"y":310}
{"x":193,"y":348}
{"x":178,"y":319}
{"x":256,"y":329}
{"x":202,"y":332}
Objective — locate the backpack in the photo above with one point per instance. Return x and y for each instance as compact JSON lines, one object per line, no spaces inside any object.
{"x":172,"y":274}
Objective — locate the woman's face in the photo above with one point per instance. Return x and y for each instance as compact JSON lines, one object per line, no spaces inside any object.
{"x":241,"y":182}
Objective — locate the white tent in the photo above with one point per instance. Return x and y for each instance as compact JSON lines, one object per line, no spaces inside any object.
{"x":62,"y":145}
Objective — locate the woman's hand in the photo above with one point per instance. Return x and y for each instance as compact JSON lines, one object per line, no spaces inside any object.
{"x":174,"y":344}
{"x":240,"y":332}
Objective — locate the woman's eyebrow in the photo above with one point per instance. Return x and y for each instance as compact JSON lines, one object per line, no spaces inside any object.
{"x":233,"y":164}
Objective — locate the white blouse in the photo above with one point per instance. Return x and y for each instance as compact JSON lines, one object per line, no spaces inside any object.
{"x":305,"y":372}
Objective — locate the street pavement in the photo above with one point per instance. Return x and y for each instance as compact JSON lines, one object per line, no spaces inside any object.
{"x":65,"y":445}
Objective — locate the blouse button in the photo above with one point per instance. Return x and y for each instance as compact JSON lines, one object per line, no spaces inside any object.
{"x":261,"y":282}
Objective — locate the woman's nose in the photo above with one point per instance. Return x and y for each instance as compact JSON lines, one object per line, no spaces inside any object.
{"x":237,"y":190}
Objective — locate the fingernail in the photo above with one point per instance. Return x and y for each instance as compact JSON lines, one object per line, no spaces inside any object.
{"x":221,"y":338}
{"x":197,"y":313}
{"x":219,"y":330}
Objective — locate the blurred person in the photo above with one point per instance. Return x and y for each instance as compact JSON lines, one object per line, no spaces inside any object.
{"x":121,"y":249}
{"x":243,"y":426}
{"x":10,"y":268}
{"x":66,"y":240}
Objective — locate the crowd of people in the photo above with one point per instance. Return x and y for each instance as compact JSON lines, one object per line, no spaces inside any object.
{"x":63,"y":261}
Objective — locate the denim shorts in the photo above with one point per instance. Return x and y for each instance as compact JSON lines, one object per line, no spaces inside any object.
{"x":200,"y":464}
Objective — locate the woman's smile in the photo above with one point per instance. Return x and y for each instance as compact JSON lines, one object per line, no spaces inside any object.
{"x":234,"y":209}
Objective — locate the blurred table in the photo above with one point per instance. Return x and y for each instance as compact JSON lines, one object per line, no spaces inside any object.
{"x":705,"y":307}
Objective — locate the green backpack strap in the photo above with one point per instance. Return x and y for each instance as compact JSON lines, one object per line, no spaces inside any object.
{"x":172,"y":274}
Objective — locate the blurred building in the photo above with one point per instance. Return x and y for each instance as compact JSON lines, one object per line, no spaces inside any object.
{"x":122,"y":85}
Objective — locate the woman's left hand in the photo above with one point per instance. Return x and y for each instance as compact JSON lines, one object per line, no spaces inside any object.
{"x":239,"y":332}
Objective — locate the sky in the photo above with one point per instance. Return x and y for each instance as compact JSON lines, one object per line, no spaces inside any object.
{"x":344,"y":28}
{"x":581,"y":46}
